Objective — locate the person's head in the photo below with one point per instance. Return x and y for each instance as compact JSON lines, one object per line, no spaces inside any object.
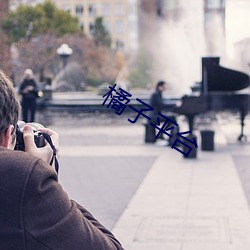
{"x":161,"y":86}
{"x":9,"y":112}
{"x":28,"y":74}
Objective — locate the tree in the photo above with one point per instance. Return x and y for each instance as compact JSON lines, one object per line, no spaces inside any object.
{"x":93,"y":64}
{"x":5,"y":62}
{"x":141,"y":74}
{"x":100,"y":33}
{"x":42,"y":18}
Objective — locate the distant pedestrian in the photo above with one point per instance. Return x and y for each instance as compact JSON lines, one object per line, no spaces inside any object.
{"x":29,"y":91}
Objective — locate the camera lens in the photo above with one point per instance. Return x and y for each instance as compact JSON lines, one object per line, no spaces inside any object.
{"x":38,"y":137}
{"x":35,"y":125}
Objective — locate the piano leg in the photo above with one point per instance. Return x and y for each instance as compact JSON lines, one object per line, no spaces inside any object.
{"x":243,"y":114}
{"x":190,"y":122}
{"x":241,"y":137}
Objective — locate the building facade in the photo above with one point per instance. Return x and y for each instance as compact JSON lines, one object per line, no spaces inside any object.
{"x":176,"y":11}
{"x":147,"y":10}
{"x":15,"y":3}
{"x":120,"y":18}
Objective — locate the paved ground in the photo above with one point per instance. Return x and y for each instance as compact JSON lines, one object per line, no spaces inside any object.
{"x":150,"y":196}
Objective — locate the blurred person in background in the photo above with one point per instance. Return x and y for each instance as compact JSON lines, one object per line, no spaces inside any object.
{"x":29,"y":92}
{"x":156,"y":102}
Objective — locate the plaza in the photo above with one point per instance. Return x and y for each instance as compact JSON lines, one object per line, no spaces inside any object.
{"x":150,"y":196}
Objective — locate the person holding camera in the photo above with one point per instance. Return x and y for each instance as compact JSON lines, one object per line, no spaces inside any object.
{"x":29,"y":92}
{"x":35,"y":212}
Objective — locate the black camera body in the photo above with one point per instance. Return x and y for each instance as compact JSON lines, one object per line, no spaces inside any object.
{"x":38,"y":138}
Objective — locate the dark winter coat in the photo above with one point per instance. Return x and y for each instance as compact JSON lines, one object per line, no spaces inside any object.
{"x":32,"y":93}
{"x":36,"y":214}
{"x":156,"y":102}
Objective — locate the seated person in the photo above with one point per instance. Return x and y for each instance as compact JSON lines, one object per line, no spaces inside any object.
{"x":156,"y":102}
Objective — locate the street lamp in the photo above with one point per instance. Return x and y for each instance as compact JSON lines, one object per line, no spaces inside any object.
{"x":64,"y":51}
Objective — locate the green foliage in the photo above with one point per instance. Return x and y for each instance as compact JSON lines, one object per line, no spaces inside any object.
{"x":100,"y":33}
{"x":93,"y":80}
{"x":141,"y":75}
{"x":42,"y":18}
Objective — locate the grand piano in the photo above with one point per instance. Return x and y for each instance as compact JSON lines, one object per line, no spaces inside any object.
{"x":220,"y":89}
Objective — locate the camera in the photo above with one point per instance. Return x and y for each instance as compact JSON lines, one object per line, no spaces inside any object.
{"x":38,"y":137}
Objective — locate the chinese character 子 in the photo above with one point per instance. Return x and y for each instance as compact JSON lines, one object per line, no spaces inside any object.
{"x":116,"y":100}
{"x":165,"y":127}
{"x":186,"y":142}
{"x":140,"y":111}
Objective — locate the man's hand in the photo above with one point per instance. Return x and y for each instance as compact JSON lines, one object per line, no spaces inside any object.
{"x":45,"y":153}
{"x":28,"y":89}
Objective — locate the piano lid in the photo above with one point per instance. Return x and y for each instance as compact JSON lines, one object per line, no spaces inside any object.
{"x":217,"y":78}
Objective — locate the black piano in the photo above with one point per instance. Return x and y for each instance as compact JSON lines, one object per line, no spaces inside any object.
{"x":220,"y":89}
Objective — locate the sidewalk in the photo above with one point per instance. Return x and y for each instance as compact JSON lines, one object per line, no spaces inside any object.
{"x":166,"y":203}
{"x":188,"y":204}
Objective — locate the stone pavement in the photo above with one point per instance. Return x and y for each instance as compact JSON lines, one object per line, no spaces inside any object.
{"x":177,"y":203}
{"x":189,"y":204}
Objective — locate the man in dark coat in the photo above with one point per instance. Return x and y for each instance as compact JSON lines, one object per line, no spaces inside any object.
{"x":35,"y":212}
{"x":157,"y":103}
{"x":29,"y":91}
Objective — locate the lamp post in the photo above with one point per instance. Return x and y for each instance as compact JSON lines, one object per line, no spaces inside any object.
{"x":64,"y":51}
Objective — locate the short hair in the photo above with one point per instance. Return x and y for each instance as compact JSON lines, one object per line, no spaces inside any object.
{"x":9,"y":104}
{"x":159,"y":84}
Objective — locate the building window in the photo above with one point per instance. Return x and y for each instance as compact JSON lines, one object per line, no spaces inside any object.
{"x":119,"y":44}
{"x":92,"y":10}
{"x":106,"y":9}
{"x":215,"y":4}
{"x":119,"y":9}
{"x":79,"y":10}
{"x":82,"y":26}
{"x":91,"y":27}
{"x":119,"y":27}
{"x":107,"y":25}
{"x":170,"y":4}
{"x":67,"y":8}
